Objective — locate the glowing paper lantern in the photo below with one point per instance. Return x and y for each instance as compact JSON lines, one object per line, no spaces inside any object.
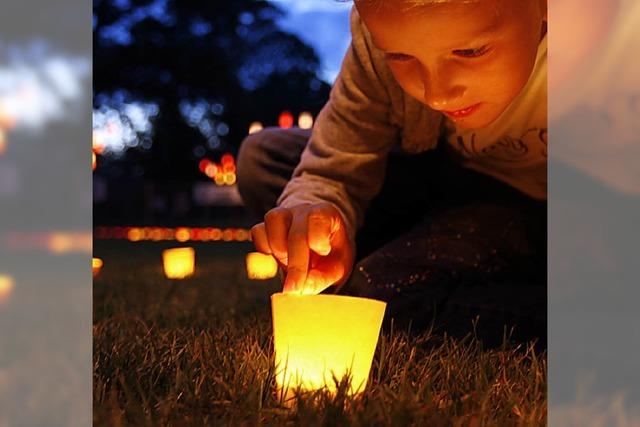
{"x":6,"y":287}
{"x":261,"y":266}
{"x":179,"y":263}
{"x":255,"y":127}
{"x":319,"y":337}
{"x":285,"y":120}
{"x":96,"y":265}
{"x":305,"y":120}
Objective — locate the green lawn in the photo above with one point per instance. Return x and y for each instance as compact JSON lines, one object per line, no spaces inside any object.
{"x":199,"y":352}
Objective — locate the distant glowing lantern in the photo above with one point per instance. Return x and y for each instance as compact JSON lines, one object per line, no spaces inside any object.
{"x":134,"y":234}
{"x":261,"y":266}
{"x":321,"y":337}
{"x":305,"y":120}
{"x":96,"y":265}
{"x":255,"y":127}
{"x":285,"y":121}
{"x":211,"y":170}
{"x":227,"y":235}
{"x":215,"y":233}
{"x":219,"y":179}
{"x":179,"y":263}
{"x":229,"y":178}
{"x":227,"y":159}
{"x":182,"y":234}
{"x":6,"y":287}
{"x":156,"y":234}
{"x":94,"y":159}
{"x":202,"y":165}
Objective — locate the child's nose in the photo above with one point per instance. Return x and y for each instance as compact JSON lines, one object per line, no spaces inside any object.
{"x":441,"y":92}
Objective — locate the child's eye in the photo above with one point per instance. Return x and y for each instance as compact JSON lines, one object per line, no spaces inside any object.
{"x":398,"y":57}
{"x":471,"y":53}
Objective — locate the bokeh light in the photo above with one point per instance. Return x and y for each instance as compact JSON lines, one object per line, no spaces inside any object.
{"x":285,"y":120}
{"x":305,"y":120}
{"x":255,"y":127}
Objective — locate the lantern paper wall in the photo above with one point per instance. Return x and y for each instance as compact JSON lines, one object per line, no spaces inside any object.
{"x":179,"y":263}
{"x":96,"y":265}
{"x":317,"y":337}
{"x":261,"y":266}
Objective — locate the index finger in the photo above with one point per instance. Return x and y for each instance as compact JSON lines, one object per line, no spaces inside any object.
{"x":298,"y":254}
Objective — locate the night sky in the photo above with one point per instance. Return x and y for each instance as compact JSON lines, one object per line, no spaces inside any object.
{"x":323,"y":24}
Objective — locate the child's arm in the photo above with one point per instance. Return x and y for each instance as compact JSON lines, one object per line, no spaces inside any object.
{"x":345,"y":160}
{"x":341,"y":170}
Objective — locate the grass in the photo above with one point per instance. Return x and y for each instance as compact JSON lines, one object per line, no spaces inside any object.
{"x":199,"y":352}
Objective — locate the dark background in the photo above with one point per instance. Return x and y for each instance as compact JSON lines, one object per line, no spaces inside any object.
{"x":203,"y":70}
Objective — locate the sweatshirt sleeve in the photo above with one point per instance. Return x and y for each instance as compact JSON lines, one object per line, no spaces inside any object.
{"x":345,"y":160}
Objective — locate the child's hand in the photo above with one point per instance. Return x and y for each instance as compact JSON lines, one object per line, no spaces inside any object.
{"x":311,"y":242}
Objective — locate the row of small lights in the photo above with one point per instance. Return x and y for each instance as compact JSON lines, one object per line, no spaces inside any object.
{"x":180,"y":234}
{"x":180,"y":263}
{"x":285,"y":121}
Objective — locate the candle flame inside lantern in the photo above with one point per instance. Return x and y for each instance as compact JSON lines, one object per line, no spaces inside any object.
{"x":261,"y":266}
{"x":321,"y":337}
{"x":96,"y":265}
{"x":179,"y":263}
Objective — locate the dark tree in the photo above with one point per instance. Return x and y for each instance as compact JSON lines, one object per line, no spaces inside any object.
{"x":184,"y":55}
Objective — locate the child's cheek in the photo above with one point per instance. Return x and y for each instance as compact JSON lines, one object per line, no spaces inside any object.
{"x":410,"y":78}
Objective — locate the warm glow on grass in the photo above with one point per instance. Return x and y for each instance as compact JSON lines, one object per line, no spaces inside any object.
{"x":261,"y":266}
{"x":179,"y":263}
{"x":319,"y":337}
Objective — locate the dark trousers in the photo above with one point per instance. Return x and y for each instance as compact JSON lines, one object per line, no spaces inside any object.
{"x":444,"y":246}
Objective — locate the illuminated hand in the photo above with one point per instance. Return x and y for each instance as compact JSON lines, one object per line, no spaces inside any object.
{"x":310,"y":242}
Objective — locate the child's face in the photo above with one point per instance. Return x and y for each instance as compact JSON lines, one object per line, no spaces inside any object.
{"x":468,"y":60}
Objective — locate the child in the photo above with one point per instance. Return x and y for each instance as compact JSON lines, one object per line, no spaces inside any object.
{"x":427,"y":165}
